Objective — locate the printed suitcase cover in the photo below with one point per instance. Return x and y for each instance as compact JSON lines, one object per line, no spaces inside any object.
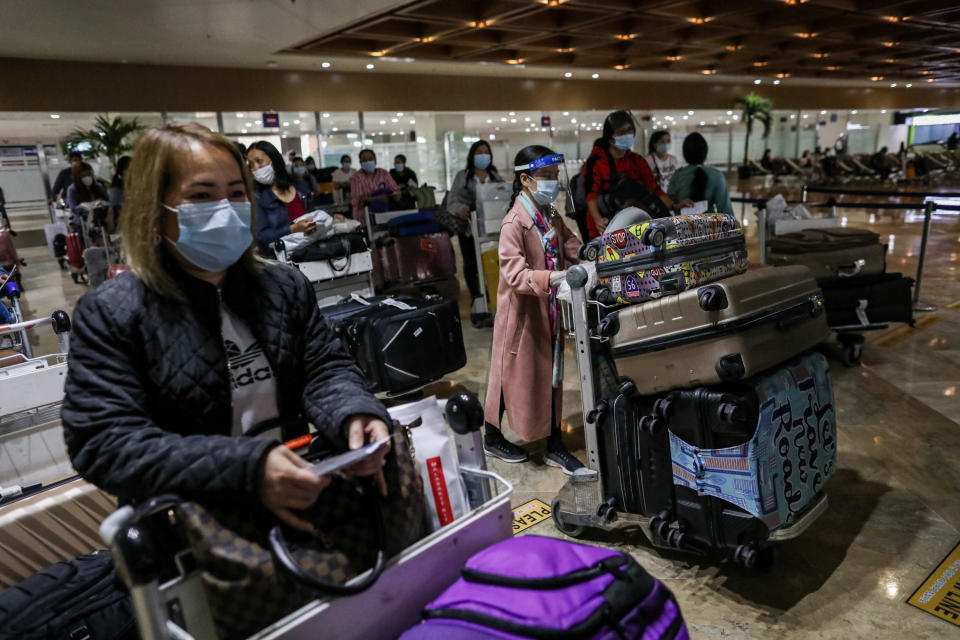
{"x":790,"y":457}
{"x":685,"y":231}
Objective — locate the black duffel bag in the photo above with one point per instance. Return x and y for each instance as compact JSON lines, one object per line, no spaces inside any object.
{"x":82,"y":598}
{"x":337,"y":246}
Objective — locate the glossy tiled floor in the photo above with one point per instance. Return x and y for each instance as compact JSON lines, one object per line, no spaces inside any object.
{"x":894,"y":500}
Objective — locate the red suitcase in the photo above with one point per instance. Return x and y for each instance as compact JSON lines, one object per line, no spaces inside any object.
{"x":413,"y":259}
{"x":8,"y":250}
{"x":75,"y":250}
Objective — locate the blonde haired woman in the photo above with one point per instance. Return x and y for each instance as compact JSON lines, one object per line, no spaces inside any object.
{"x":175,"y":364}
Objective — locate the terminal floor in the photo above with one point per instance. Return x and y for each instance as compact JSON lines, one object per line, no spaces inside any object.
{"x":894,"y":500}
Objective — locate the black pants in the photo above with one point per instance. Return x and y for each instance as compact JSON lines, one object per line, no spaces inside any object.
{"x":554,"y":423}
{"x":469,"y":252}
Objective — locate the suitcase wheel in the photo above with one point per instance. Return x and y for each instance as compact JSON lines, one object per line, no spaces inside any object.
{"x":603,"y":295}
{"x":730,"y":367}
{"x":609,"y":326}
{"x":852,"y":354}
{"x":572,"y":530}
{"x":712,"y":298}
{"x":653,"y":236}
{"x":589,"y":251}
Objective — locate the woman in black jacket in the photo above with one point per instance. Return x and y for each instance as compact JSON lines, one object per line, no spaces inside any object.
{"x":175,"y":364}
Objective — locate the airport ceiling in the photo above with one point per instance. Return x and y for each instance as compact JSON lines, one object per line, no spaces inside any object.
{"x":872,"y":40}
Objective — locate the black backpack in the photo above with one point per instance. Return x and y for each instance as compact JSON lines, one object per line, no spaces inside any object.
{"x":620,"y":191}
{"x":77,"y":600}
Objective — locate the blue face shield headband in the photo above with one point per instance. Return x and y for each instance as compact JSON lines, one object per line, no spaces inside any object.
{"x":540,"y":163}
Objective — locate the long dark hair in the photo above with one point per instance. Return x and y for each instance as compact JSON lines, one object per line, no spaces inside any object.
{"x":473,"y":151}
{"x":695,"y":153}
{"x":280,"y":176}
{"x":526,"y":156}
{"x":122,"y":165}
{"x":611,"y":123}
{"x":655,"y":139}
{"x":82,"y":192}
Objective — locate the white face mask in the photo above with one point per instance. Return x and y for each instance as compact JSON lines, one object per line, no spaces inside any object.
{"x":87,"y":180}
{"x":264,"y":175}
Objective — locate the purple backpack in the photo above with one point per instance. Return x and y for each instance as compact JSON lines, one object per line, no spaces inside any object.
{"x":533,"y":587}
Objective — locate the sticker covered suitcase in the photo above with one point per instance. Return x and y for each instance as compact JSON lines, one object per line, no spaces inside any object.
{"x":666,"y":256}
{"x":830,"y":252}
{"x":723,"y":331}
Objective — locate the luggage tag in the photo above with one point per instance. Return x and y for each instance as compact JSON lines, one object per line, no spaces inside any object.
{"x":336,"y":463}
{"x":862,"y":312}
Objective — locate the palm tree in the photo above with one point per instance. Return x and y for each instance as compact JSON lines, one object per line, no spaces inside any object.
{"x":754,"y":107}
{"x":110,"y":138}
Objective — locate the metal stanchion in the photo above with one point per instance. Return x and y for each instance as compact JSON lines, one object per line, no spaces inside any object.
{"x":803,"y":194}
{"x":927,"y":218}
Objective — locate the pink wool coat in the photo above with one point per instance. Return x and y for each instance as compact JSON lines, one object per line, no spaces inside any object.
{"x":521,"y":360}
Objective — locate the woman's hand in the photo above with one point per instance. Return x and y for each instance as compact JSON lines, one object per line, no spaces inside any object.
{"x":339,"y":217}
{"x":364,"y":430}
{"x":303,"y":226}
{"x":287,"y":482}
{"x":556,"y":278}
{"x":600,"y":221}
{"x":686,"y":202}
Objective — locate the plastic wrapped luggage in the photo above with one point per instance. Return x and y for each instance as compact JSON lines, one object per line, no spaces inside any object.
{"x":830,"y":252}
{"x":535,"y":587}
{"x":868,"y":300}
{"x":8,"y":249}
{"x":724,"y":331}
{"x":414,"y":224}
{"x":666,"y":256}
{"x":401,"y":343}
{"x":413,"y":259}
{"x":98,"y":266}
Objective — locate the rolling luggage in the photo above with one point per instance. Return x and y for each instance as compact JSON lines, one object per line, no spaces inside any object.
{"x":666,"y":256}
{"x":82,"y":598}
{"x":535,"y":587}
{"x":413,"y":259}
{"x":400,"y":343}
{"x":98,"y":265}
{"x":830,"y":252}
{"x":490,"y":258}
{"x":8,"y":249}
{"x":75,"y":250}
{"x":415,"y":224}
{"x":720,"y":332}
{"x":865,"y":300}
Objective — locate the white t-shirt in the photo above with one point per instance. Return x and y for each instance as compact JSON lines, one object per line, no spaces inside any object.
{"x":253,"y":388}
{"x":663,"y":169}
{"x":339,"y":175}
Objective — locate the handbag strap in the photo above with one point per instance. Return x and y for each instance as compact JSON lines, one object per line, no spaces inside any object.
{"x":347,"y":259}
{"x":284,"y":559}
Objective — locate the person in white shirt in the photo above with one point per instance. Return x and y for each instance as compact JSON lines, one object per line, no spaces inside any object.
{"x":661,"y":162}
{"x":341,"y":180}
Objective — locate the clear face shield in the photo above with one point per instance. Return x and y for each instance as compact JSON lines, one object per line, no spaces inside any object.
{"x":550,"y":172}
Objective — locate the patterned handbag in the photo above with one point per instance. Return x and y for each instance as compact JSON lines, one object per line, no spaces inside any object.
{"x":255,"y":572}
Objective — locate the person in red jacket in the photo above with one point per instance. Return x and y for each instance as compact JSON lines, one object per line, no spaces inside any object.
{"x":612,"y":158}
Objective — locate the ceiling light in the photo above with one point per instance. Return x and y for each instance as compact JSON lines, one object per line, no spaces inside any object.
{"x":823,"y":112}
{"x":526,"y":119}
{"x":757,"y":81}
{"x":568,"y":75}
{"x":335,"y":128}
{"x":876,"y":78}
{"x":394,"y":119}
{"x":325,"y":65}
{"x":708,"y":72}
{"x":625,"y":36}
{"x":728,"y":122}
{"x":820,"y":55}
{"x":834,"y":67}
{"x":776,"y":82}
{"x":893,"y":84}
{"x":565,"y":50}
{"x":413,"y":122}
{"x":514,"y":61}
{"x":896,"y":18}
{"x":489,"y":121}
{"x":734,"y":47}
{"x":513,"y":120}
{"x":503,"y":119}
{"x":399,"y":114}
{"x":595,"y":76}
{"x":890,"y":44}
{"x":794,"y":2}
{"x":806,"y":34}
{"x":479,"y":24}
{"x":931,"y":79}
{"x":674,"y":58}
{"x":760,"y":63}
{"x":926,"y":73}
{"x":379,"y":54}
{"x":497,"y":128}
{"x":573,"y":121}
{"x":908,"y":85}
{"x":690,"y":113}
{"x":686,"y":117}
{"x":286,"y":124}
{"x":258,"y":123}
{"x":806,"y":115}
{"x":566,"y":113}
{"x":854,"y":112}
{"x":883,"y":110}
{"x":702,"y":123}
{"x":512,"y":113}
{"x":736,"y":117}
{"x":729,"y":113}
{"x":239,"y":115}
{"x":700,"y":20}
{"x":296,"y":122}
{"x":783,"y":74}
{"x":369,"y":65}
{"x":55,"y":116}
{"x":620,"y":67}
{"x":249,"y":124}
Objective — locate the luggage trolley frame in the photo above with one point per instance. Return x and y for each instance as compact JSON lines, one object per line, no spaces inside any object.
{"x":582,"y":501}
{"x":336,"y":278}
{"x":408,"y":583}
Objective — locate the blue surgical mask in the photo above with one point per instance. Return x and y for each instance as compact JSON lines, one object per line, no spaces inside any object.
{"x":300,"y":171}
{"x":663,"y":148}
{"x":369,"y":165}
{"x":624,"y":142}
{"x":481,"y":160}
{"x":547,"y":191}
{"x":398,"y":167}
{"x":213,"y":235}
{"x":345,"y":166}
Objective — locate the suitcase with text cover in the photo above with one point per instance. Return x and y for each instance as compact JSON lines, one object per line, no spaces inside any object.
{"x":666,"y":256}
{"x":866,"y":300}
{"x":724,"y":331}
{"x":400,"y":343}
{"x":831,"y":252}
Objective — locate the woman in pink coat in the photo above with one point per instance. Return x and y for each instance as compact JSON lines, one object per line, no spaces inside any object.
{"x":526,"y":368}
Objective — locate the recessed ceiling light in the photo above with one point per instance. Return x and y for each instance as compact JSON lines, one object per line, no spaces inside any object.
{"x":823,"y":112}
{"x":908,"y":85}
{"x":286,"y":124}
{"x":413,"y":122}
{"x":512,"y":113}
{"x":776,"y":82}
{"x":568,"y":75}
{"x":296,"y":122}
{"x":729,"y":113}
{"x":573,"y":121}
{"x":369,"y":65}
{"x":690,"y":113}
{"x":243,"y":130}
{"x":249,"y":124}
{"x":854,"y":112}
{"x":686,"y":117}
{"x":489,"y":121}
{"x":702,"y":123}
{"x":595,"y":76}
{"x":239,"y":115}
{"x":513,"y":120}
{"x":399,"y":114}
{"x":883,"y":110}
{"x":383,"y":122}
{"x":757,"y":81}
{"x":258,"y":123}
{"x":325,"y":115}
{"x":394,"y":119}
{"x":55,"y":116}
{"x":325,"y":65}
{"x":526,"y":119}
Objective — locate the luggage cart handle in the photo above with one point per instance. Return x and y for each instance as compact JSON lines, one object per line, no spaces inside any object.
{"x":490,"y":475}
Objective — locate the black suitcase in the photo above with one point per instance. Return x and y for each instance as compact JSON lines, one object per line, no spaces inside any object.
{"x":402,"y":342}
{"x":864,"y":300}
{"x":79,"y":599}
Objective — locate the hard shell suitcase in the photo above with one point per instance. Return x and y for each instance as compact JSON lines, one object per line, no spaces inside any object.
{"x":75,"y":250}
{"x":751,"y":457}
{"x":400,"y":343}
{"x":413,"y":259}
{"x":666,"y":256}
{"x":865,"y":300}
{"x":725,"y":331}
{"x":415,"y":224}
{"x":535,"y":587}
{"x":8,"y":249}
{"x":830,"y":252}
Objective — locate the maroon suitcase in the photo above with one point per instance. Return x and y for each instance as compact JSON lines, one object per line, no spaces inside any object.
{"x":8,"y":250}
{"x":413,"y":259}
{"x":75,"y":250}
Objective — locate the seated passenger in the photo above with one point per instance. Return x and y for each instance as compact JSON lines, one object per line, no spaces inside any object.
{"x":371,"y":187}
{"x":278,"y":202}
{"x":160,"y":396}
{"x":526,"y":364}
{"x":697,"y":182}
